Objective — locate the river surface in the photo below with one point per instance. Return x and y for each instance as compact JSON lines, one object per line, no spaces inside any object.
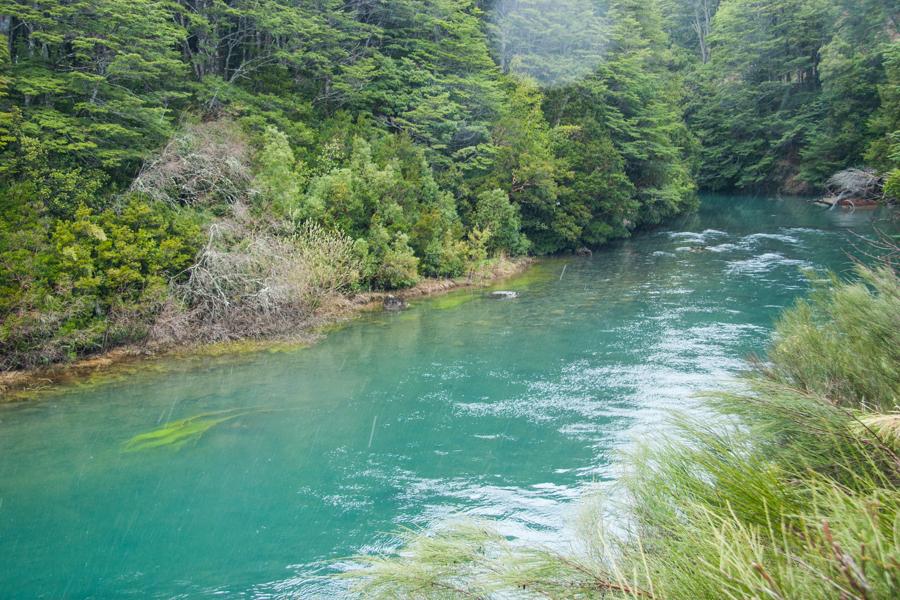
{"x":461,"y":405}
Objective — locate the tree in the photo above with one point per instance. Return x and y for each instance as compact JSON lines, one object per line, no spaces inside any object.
{"x":689,"y":23}
{"x":630,"y":108}
{"x":884,"y":150}
{"x":277,"y":179}
{"x":524,"y":163}
{"x":554,"y":42}
{"x":499,"y":218}
{"x":852,"y":69}
{"x":95,"y":81}
{"x":760,"y":93}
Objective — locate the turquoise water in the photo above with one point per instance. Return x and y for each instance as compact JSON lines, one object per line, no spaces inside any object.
{"x":505,"y":409}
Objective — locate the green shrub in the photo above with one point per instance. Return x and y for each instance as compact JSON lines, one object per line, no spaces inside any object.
{"x":494,"y":213}
{"x":394,"y":263}
{"x":277,"y":178}
{"x":57,"y":190}
{"x":385,"y":196}
{"x":892,"y":185}
{"x":844,"y":342}
{"x":118,"y":255}
{"x":88,"y":282}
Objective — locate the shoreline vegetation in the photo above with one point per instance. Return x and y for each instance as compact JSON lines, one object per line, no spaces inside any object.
{"x":786,"y":490}
{"x":176,"y":173}
{"x":19,"y":385}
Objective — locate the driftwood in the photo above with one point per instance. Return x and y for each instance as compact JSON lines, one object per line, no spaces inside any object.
{"x":854,"y":188}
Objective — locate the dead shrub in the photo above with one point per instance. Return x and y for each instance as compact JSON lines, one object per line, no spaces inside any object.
{"x":254,"y":282}
{"x":206,"y":163}
{"x":856,"y":184}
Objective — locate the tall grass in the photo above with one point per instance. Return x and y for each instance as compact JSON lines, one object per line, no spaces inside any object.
{"x":844,"y":342}
{"x":789,"y":491}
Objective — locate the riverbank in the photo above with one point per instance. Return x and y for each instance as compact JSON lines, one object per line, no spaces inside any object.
{"x":25,"y":384}
{"x":786,"y":489}
{"x":460,"y":405}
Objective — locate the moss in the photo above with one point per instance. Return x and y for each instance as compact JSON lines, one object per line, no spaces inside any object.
{"x":542,"y":272}
{"x":239,"y":347}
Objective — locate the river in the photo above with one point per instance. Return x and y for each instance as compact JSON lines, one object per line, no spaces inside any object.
{"x":461,"y":405}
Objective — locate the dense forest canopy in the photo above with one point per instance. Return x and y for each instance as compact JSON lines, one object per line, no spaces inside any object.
{"x":166,"y":163}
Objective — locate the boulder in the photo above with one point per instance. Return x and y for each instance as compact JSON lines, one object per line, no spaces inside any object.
{"x":503,"y":295}
{"x":584,"y":251}
{"x":394,"y":303}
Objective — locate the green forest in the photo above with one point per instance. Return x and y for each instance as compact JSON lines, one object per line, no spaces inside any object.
{"x":666,"y":366}
{"x":217,"y":169}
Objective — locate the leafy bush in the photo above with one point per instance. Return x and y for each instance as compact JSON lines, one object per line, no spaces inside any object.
{"x":88,"y":282}
{"x":392,"y":263}
{"x":386,"y":196}
{"x":277,"y":179}
{"x":57,"y":190}
{"x":497,"y":216}
{"x":892,"y":185}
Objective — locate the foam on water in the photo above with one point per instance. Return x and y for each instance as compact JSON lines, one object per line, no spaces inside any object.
{"x":765,"y":263}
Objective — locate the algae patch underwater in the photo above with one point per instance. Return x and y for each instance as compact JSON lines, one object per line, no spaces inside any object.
{"x":452,"y":300}
{"x":176,"y":434}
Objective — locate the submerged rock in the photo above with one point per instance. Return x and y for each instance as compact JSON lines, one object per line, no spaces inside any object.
{"x":394,"y":303}
{"x":503,"y":295}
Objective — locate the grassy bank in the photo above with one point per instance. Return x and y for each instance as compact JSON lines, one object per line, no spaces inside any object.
{"x":785,"y":490}
{"x":23,"y":384}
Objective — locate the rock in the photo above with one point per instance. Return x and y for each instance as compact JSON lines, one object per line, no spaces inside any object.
{"x":394,"y":303}
{"x":584,"y":252}
{"x":503,"y":295}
